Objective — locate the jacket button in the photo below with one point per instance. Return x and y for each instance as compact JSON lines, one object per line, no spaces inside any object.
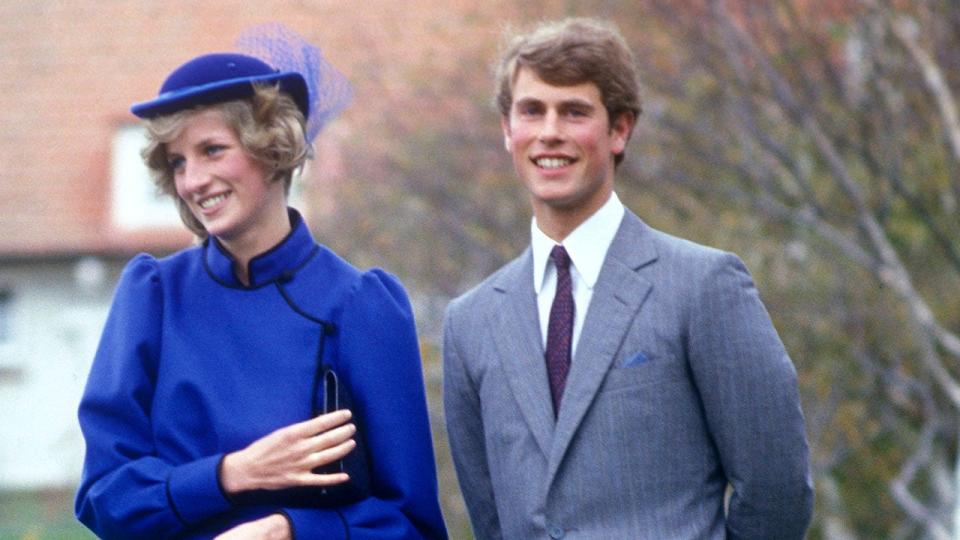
{"x":556,"y":532}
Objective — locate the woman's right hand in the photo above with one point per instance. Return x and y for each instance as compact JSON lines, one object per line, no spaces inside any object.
{"x":286,"y":458}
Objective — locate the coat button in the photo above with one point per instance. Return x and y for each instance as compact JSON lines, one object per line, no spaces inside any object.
{"x":556,"y":532}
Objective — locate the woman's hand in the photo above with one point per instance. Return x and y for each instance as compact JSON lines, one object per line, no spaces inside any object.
{"x":287,"y":457}
{"x":272,"y":527}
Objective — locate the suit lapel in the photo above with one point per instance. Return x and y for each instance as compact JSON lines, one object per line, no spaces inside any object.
{"x":617,"y":296}
{"x":516,"y":334}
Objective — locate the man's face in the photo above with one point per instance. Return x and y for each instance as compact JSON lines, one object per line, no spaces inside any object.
{"x":562,"y":144}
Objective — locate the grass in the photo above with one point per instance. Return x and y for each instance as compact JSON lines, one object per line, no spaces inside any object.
{"x":48,"y":515}
{"x":38,"y":515}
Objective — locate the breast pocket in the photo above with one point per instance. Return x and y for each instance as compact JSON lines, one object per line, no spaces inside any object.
{"x":643,"y":369}
{"x":655,"y":398}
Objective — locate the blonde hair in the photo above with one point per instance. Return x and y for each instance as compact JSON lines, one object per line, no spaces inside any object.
{"x":270,"y":128}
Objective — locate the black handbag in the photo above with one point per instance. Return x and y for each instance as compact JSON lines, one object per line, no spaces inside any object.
{"x":336,"y":396}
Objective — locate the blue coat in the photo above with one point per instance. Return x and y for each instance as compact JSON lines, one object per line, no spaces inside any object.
{"x":193,"y":365}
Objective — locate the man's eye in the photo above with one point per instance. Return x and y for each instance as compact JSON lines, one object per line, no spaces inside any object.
{"x":528,"y":110}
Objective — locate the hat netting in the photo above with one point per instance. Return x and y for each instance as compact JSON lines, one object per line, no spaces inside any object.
{"x":284,"y":49}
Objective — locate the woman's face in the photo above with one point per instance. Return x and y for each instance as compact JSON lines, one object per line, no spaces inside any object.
{"x":225,"y":189}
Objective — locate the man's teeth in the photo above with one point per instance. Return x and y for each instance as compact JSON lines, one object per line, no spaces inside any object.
{"x":553,"y":163}
{"x":207,"y":203}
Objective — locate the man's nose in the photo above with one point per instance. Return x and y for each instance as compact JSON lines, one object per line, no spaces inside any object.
{"x":551,"y":130}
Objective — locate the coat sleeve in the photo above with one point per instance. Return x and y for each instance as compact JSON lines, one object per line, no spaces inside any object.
{"x":380,"y":353}
{"x":464,"y":418}
{"x":751,"y":401}
{"x":126,"y":491}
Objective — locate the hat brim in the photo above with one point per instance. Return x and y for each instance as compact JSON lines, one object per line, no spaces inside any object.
{"x":220,"y":91}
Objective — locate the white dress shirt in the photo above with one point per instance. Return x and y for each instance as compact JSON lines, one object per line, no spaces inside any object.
{"x":587,"y":247}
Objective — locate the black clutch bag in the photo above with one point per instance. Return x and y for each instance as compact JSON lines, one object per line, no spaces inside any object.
{"x":336,"y":396}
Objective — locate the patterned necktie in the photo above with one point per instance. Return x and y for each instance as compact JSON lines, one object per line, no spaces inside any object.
{"x":560,"y":327}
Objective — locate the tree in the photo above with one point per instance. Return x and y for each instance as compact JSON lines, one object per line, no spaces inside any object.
{"x":835,"y":124}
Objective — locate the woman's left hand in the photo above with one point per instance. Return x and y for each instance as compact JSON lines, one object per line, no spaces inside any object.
{"x":272,"y":527}
{"x":288,"y":456}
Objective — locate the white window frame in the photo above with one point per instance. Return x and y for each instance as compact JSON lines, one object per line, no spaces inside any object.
{"x":134,"y":201}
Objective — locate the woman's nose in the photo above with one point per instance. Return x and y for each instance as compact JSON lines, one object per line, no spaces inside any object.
{"x":194,"y":177}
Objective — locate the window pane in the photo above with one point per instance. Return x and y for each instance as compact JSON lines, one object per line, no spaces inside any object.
{"x":135,"y":201}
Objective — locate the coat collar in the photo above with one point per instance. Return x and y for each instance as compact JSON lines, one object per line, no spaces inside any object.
{"x":278,"y":263}
{"x":520,"y":350}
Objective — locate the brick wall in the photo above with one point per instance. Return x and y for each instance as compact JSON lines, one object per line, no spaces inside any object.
{"x":70,"y":69}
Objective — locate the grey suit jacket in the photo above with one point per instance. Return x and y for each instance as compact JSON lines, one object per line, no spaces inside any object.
{"x":679,"y":387}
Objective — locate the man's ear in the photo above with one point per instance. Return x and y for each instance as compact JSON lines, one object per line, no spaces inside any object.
{"x":505,"y":126}
{"x":620,"y":130}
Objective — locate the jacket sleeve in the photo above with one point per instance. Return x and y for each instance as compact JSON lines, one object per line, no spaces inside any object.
{"x":464,"y":418}
{"x":751,"y":401}
{"x":126,"y":491}
{"x":380,"y":354}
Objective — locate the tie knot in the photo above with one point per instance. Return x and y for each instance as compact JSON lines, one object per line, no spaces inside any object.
{"x":560,"y":257}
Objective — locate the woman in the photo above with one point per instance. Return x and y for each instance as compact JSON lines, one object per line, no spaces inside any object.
{"x":202,"y":413}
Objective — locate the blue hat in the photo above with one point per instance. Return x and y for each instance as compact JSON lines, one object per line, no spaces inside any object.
{"x":219,"y":77}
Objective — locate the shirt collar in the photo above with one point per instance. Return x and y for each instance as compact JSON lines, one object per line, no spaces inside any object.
{"x":587,"y":245}
{"x":277,"y":263}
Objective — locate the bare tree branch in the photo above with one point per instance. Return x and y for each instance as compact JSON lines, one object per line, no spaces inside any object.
{"x":900,"y":487}
{"x":892,"y":271}
{"x":905,"y":30}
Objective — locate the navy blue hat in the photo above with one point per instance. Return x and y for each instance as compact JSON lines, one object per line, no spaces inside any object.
{"x":219,"y":77}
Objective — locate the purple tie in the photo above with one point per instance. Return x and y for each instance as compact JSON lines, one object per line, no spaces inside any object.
{"x":560,"y":327}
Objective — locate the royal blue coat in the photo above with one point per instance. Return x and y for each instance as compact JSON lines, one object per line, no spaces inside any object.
{"x":193,"y":365}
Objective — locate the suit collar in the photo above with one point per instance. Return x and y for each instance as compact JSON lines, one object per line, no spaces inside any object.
{"x":619,"y":294}
{"x":516,"y":335}
{"x":515,"y":275}
{"x":587,"y":244}
{"x":633,"y":244}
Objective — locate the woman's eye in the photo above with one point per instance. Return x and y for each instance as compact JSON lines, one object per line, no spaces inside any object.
{"x":175,"y":163}
{"x":214,"y":149}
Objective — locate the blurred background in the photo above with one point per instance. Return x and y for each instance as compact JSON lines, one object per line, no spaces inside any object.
{"x":820,"y":140}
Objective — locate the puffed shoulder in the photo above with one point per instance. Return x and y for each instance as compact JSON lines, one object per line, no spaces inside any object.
{"x":142,"y":269}
{"x":382,"y":291}
{"x":139,"y":281}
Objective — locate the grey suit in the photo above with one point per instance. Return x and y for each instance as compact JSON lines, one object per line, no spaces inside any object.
{"x":679,"y":386}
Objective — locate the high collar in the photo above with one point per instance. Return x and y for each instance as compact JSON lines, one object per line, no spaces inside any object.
{"x":277,"y":263}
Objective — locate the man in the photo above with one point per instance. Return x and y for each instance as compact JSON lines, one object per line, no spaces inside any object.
{"x":613,"y":381}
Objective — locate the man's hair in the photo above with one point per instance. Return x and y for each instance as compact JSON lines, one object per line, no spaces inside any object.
{"x":269,"y":125}
{"x":570,"y":52}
